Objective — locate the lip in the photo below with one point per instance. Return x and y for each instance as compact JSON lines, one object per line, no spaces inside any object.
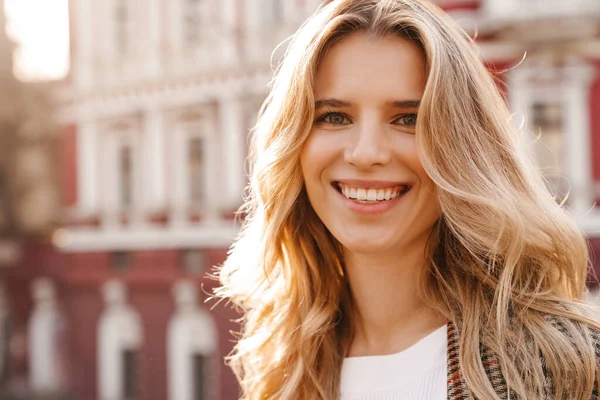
{"x":370,"y":209}
{"x":358,"y":183}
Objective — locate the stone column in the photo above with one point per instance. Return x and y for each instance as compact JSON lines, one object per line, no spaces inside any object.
{"x":154,"y":62}
{"x":231,"y":118}
{"x":191,"y":332}
{"x":110,"y":208}
{"x":120,"y":328}
{"x":84,"y":51}
{"x":578,"y":162}
{"x":177,"y":184}
{"x":253,"y":31}
{"x":213,"y":183}
{"x":154,"y":168}
{"x":44,"y":326}
{"x":87,"y":167}
{"x":519,"y":98}
{"x":229,"y":33}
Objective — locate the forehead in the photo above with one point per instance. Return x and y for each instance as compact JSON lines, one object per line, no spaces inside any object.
{"x":371,"y":68}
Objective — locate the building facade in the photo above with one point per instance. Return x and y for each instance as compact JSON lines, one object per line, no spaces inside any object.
{"x":163,"y":95}
{"x":160,"y":101}
{"x":546,"y":57}
{"x":156,"y":112}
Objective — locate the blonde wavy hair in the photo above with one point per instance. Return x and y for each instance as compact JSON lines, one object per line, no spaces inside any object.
{"x":508,"y":266}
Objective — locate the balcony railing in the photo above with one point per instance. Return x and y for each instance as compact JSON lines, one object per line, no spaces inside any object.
{"x":540,"y":9}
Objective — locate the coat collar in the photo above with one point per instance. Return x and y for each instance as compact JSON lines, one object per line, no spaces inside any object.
{"x":457,"y":388}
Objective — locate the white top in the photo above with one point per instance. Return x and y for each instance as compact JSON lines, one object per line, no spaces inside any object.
{"x":418,"y":372}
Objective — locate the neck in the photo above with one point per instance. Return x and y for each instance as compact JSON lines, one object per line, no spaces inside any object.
{"x":389,"y":311}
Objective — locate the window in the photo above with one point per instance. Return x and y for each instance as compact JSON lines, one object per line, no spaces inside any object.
{"x":120,"y":336}
{"x":191,"y":161}
{"x":192,"y":339}
{"x":547,"y":116}
{"x":192,"y":261}
{"x":547,"y":124}
{"x":130,"y":377}
{"x":46,"y":335}
{"x":121,"y":27}
{"x":195,"y":165}
{"x":192,"y":22}
{"x":120,"y":260}
{"x":200,"y":364}
{"x":125,"y":177}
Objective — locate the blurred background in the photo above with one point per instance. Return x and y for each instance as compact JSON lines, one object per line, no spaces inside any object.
{"x":123,"y":138}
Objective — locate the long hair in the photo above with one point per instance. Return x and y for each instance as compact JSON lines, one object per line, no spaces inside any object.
{"x":507,"y":265}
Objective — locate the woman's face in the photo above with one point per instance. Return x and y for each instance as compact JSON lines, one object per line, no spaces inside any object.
{"x":362,"y":172}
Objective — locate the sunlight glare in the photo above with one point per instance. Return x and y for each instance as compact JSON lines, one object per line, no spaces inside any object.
{"x":41,"y":30}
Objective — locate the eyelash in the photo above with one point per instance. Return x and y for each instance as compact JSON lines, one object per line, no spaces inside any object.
{"x":323,"y":117}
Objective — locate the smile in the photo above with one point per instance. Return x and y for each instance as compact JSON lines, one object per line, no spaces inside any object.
{"x":366,"y":195}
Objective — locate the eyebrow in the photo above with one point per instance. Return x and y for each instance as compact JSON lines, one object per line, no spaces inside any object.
{"x":336,"y":103}
{"x":405,"y":103}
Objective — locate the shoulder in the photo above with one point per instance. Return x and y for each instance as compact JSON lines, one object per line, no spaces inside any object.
{"x":574,"y":334}
{"x":569,"y":328}
{"x":583,"y":338}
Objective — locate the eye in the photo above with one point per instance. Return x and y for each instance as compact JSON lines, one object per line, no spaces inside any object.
{"x":406,"y":120}
{"x":333,"y":118}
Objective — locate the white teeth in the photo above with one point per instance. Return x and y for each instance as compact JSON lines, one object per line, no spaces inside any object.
{"x":361,"y":194}
{"x":371,"y":195}
{"x":345,"y":190}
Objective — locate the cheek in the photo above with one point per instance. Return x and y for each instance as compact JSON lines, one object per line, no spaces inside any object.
{"x":412,"y":159}
{"x":428,"y":192}
{"x":314,"y":158}
{"x":410,"y":155}
{"x":423,"y":176}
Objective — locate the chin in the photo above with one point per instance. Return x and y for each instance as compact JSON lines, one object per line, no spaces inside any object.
{"x":367,"y":245}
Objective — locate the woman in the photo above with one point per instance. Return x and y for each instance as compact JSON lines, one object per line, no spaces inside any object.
{"x":398,"y":244}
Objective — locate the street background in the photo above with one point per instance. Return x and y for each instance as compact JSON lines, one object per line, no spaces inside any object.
{"x":123,"y":138}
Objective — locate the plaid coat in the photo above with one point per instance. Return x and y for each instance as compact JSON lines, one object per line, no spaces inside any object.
{"x":457,"y":387}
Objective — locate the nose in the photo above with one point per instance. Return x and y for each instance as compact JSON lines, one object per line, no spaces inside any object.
{"x":369,"y":147}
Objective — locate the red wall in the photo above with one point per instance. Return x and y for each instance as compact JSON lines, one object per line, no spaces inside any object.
{"x":499,"y":69}
{"x":594,"y":247}
{"x":463,"y":5}
{"x":83,"y":307}
{"x":149,"y":281}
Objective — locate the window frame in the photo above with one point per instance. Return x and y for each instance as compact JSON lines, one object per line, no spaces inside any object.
{"x":193,"y":124}
{"x":121,"y":50}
